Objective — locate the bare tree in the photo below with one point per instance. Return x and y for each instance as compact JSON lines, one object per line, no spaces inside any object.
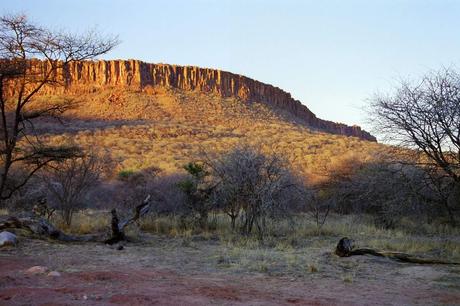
{"x":425,"y":117}
{"x":30,"y":58}
{"x":253,"y":186}
{"x":318,"y":205}
{"x":70,"y":181}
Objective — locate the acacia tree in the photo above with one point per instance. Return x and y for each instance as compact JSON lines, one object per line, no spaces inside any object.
{"x":425,"y":117}
{"x":30,"y":58}
{"x":70,"y":181}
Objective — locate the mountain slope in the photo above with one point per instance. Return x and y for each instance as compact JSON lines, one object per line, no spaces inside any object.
{"x":94,"y":76}
{"x":168,"y":128}
{"x":170,"y":123}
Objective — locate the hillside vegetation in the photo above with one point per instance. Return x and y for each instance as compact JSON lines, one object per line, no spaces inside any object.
{"x":167,"y":128}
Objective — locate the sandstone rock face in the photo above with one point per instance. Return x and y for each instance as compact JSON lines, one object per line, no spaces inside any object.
{"x":87,"y":76}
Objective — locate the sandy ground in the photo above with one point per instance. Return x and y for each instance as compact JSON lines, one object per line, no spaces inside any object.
{"x":166,"y":271}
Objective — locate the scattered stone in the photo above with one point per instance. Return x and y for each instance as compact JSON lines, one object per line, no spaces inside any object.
{"x":37,"y":270}
{"x":54,"y":274}
{"x":120,"y":247}
{"x":8,"y":239}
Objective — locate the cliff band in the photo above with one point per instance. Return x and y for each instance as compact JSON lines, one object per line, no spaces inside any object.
{"x":85,"y":76}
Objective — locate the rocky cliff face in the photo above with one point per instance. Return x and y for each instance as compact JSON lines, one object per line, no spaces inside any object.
{"x":90,"y":75}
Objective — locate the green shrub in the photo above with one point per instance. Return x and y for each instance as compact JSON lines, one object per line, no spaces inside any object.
{"x":125,"y":174}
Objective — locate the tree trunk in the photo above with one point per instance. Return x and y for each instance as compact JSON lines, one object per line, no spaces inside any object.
{"x":233,"y":221}
{"x":117,"y":234}
{"x":118,"y":228}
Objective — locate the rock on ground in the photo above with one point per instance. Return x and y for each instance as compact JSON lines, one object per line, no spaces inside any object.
{"x":37,"y":270}
{"x":54,"y":274}
{"x":7,"y":238}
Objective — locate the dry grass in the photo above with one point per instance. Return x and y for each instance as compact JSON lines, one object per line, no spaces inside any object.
{"x":298,"y":251}
{"x":286,"y":239}
{"x":290,"y":242}
{"x":85,"y":222}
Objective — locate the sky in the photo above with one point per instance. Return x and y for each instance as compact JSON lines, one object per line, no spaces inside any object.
{"x":333,"y":56}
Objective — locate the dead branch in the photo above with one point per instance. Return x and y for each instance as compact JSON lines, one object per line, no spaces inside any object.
{"x":139,"y":211}
{"x":345,"y":248}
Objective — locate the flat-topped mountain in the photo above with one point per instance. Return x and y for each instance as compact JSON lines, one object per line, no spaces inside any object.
{"x":154,"y":115}
{"x":92,"y":76}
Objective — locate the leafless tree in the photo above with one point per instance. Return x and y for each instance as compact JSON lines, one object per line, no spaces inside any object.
{"x":253,"y":186}
{"x":30,"y":58}
{"x":425,"y":117}
{"x":318,"y":205}
{"x":70,"y":181}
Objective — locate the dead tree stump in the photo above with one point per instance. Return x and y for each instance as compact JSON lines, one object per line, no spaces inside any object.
{"x":118,"y":228}
{"x":344,"y":247}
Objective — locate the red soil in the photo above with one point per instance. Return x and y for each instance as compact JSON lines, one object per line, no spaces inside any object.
{"x":150,"y":286}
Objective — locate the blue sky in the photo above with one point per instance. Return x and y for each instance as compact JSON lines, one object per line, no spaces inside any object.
{"x":331,"y":55}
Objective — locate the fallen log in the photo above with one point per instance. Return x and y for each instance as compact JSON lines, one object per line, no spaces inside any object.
{"x":345,"y":248}
{"x":44,"y":229}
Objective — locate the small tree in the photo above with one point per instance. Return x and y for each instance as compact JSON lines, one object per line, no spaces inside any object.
{"x":319,"y":205}
{"x":197,"y":190}
{"x":30,"y":58}
{"x":252,"y":185}
{"x":69,"y":183}
{"x":228,"y":198}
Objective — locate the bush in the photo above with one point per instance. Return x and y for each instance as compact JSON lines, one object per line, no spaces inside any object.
{"x":253,"y":187}
{"x":390,"y":191}
{"x":197,"y":190}
{"x":69,"y":182}
{"x":125,"y":174}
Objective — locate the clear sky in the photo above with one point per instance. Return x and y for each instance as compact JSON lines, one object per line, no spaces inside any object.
{"x":331,"y":55}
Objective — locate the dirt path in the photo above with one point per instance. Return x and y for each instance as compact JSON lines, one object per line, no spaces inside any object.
{"x":110,"y":277}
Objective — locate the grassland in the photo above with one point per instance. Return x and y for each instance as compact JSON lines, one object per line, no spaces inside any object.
{"x":296,"y":262}
{"x":284,"y":239}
